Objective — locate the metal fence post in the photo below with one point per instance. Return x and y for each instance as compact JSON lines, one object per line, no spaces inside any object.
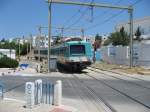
{"x":52,"y":94}
{"x":38,"y":91}
{"x":49,"y":92}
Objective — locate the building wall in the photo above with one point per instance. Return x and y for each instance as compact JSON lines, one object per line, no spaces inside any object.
{"x":9,"y":53}
{"x":40,"y":42}
{"x":121,"y":55}
{"x":143,"y":23}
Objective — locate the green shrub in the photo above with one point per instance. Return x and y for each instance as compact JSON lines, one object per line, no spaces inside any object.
{"x":6,"y":62}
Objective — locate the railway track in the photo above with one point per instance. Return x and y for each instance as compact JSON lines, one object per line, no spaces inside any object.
{"x":101,"y":99}
{"x":118,"y":73}
{"x":104,"y":105}
{"x":101,"y":72}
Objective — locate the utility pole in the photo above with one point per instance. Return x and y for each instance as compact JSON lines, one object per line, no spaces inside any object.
{"x":27,"y":47}
{"x":82,"y":34}
{"x":39,"y":38}
{"x":49,"y":33}
{"x":128,"y":8}
{"x":19,"y":48}
{"x":30,"y":46}
{"x":62,"y":32}
{"x":131,"y":36}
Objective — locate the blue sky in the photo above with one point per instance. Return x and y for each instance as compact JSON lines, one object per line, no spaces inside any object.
{"x":22,"y":17}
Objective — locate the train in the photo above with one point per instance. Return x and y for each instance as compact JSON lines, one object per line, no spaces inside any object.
{"x":74,"y":54}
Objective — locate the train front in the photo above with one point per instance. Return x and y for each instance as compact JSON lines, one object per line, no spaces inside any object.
{"x":79,"y":55}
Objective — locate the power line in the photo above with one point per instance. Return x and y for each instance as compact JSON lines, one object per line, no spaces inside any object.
{"x":83,"y":13}
{"x":136,"y":2}
{"x":68,"y":20}
{"x":104,"y":12}
{"x":77,"y":20}
{"x":113,"y":16}
{"x":73,"y":16}
{"x":105,"y":21}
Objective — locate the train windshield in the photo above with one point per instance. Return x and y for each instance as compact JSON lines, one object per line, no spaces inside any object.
{"x":77,"y":49}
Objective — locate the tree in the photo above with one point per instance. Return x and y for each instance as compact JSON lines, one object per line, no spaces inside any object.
{"x":107,"y":42}
{"x":98,"y":41}
{"x":58,"y":40}
{"x":14,"y":45}
{"x":3,"y":40}
{"x":120,"y":38}
{"x":98,"y":37}
{"x":6,"y":62}
{"x":138,"y":34}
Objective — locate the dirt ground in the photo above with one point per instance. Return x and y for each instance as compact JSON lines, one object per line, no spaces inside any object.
{"x":122,"y":68}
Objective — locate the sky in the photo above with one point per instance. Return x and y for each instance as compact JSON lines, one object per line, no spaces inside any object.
{"x":20,"y":18}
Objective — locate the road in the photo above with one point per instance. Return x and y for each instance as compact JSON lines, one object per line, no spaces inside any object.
{"x":91,"y":91}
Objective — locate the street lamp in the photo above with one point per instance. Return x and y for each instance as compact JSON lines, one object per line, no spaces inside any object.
{"x":19,"y":48}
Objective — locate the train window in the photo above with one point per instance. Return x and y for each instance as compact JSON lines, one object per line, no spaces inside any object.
{"x":43,"y":52}
{"x":35,"y":51}
{"x":77,"y":49}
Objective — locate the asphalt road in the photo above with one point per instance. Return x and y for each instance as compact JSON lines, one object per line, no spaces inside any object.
{"x":89,"y":91}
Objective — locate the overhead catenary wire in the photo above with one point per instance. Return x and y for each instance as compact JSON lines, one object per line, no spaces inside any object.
{"x":105,"y":21}
{"x":78,"y":20}
{"x":73,"y":16}
{"x":103,"y":13}
{"x":110,"y":18}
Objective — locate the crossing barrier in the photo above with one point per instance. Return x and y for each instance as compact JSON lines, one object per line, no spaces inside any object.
{"x":48,"y":93}
{"x":40,"y":92}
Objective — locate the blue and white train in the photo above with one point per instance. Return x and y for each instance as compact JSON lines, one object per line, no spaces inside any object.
{"x":75,"y":55}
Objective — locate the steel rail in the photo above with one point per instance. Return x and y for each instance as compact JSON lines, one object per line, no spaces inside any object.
{"x":107,"y":107}
{"x":135,"y":100}
{"x":119,"y":73}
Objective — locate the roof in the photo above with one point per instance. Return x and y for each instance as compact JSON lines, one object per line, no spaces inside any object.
{"x":77,"y":42}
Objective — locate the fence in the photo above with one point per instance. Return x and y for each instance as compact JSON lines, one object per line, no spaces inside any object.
{"x":121,"y":54}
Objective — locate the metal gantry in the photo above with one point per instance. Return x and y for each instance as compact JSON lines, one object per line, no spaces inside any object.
{"x":128,"y":8}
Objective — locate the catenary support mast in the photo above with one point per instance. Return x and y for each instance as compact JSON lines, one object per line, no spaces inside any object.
{"x":128,"y":8}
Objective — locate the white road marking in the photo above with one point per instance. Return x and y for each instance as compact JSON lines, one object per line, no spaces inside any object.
{"x":16,"y":100}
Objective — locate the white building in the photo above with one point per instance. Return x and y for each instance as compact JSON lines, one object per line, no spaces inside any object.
{"x":9,"y":53}
{"x":42,"y":41}
{"x":142,"y":23}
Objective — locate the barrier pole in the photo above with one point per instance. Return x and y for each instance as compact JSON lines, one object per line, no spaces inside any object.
{"x":58,"y":93}
{"x":30,"y":95}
